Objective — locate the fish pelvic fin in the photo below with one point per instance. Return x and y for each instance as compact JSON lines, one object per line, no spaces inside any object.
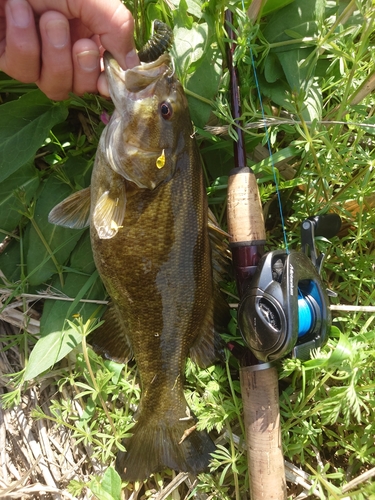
{"x":157,"y":444}
{"x":110,"y":340}
{"x":109,"y":213}
{"x":73,"y":212}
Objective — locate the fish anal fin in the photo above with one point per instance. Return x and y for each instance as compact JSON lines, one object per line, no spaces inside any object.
{"x":208,"y":346}
{"x":110,"y":340}
{"x":109,"y":212}
{"x":158,"y":443}
{"x":73,"y":212}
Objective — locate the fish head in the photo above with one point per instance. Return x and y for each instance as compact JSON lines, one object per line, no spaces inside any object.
{"x":147,"y":130}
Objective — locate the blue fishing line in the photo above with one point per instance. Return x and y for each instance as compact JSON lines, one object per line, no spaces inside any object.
{"x":268,"y":144}
{"x":305,"y":315}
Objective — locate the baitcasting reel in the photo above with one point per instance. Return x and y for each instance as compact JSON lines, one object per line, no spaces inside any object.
{"x":285,"y":308}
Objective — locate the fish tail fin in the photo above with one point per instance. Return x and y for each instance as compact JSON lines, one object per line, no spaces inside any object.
{"x":160,"y":443}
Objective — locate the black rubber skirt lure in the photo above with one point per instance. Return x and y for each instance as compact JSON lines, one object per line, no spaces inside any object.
{"x":159,"y":43}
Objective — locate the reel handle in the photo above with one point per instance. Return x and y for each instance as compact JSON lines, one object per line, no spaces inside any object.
{"x":327,"y":225}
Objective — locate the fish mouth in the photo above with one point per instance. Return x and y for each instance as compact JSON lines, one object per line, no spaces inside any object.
{"x":138,"y":82}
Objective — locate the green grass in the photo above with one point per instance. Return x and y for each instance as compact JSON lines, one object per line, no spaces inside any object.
{"x":312,"y":75}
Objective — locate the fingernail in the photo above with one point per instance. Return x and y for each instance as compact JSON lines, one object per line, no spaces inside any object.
{"x":88,"y":60}
{"x":21,"y":13}
{"x":57,"y":33}
{"x":131,"y":59}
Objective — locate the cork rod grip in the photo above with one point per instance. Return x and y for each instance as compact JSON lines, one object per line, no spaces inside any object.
{"x":260,"y":397}
{"x":245,"y":215}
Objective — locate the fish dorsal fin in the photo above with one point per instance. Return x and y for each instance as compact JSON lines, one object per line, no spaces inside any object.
{"x":73,"y":212}
{"x":110,"y":340}
{"x":109,"y":213}
{"x":214,"y":228}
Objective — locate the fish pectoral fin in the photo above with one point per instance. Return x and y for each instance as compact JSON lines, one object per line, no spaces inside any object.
{"x":110,"y":340}
{"x":73,"y":212}
{"x":109,"y":213}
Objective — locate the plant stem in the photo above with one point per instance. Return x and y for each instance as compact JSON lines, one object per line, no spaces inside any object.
{"x":87,"y":360}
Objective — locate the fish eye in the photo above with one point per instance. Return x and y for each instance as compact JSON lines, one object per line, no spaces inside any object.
{"x":166,"y":110}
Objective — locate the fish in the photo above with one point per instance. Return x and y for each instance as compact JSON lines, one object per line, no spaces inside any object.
{"x":151,"y":235}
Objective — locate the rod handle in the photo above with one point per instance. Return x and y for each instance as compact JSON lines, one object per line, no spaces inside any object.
{"x":260,"y":395}
{"x":245,"y":214}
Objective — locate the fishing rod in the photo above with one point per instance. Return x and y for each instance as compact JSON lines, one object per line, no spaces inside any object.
{"x":259,"y":381}
{"x":283,"y":307}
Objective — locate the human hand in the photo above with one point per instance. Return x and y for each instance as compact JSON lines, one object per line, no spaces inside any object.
{"x":58,"y":43}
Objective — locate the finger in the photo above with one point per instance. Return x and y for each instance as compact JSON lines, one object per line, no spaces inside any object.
{"x":56,"y":76}
{"x":20,"y":52}
{"x":103,"y":87}
{"x":110,"y":19}
{"x":117,"y":36}
{"x":86,"y":66}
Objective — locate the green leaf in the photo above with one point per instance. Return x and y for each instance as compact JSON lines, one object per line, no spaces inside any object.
{"x":46,"y":240}
{"x":199,"y":62}
{"x":343,"y":351}
{"x":297,"y":74}
{"x":81,"y":282}
{"x":298,"y":20}
{"x":273,"y":5}
{"x":25,"y":181}
{"x":369,"y":125}
{"x":112,"y":482}
{"x":183,"y":7}
{"x":313,"y":103}
{"x":181,"y":17}
{"x":24,"y":125}
{"x":115,"y":368}
{"x":57,"y":338}
{"x":273,"y":70}
{"x":204,"y":82}
{"x":90,"y":408}
{"x":300,"y":17}
{"x":10,"y":259}
{"x":50,"y":349}
{"x":109,"y":488}
{"x":281,"y":155}
{"x":188,"y":47}
{"x":279,"y":93}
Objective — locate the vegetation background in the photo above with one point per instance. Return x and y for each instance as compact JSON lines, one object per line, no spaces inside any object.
{"x":65,"y":411}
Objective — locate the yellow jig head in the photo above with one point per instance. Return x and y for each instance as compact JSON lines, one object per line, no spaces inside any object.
{"x":160,"y":162}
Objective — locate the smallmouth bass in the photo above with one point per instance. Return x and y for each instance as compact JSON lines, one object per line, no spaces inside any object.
{"x":148,"y":216}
